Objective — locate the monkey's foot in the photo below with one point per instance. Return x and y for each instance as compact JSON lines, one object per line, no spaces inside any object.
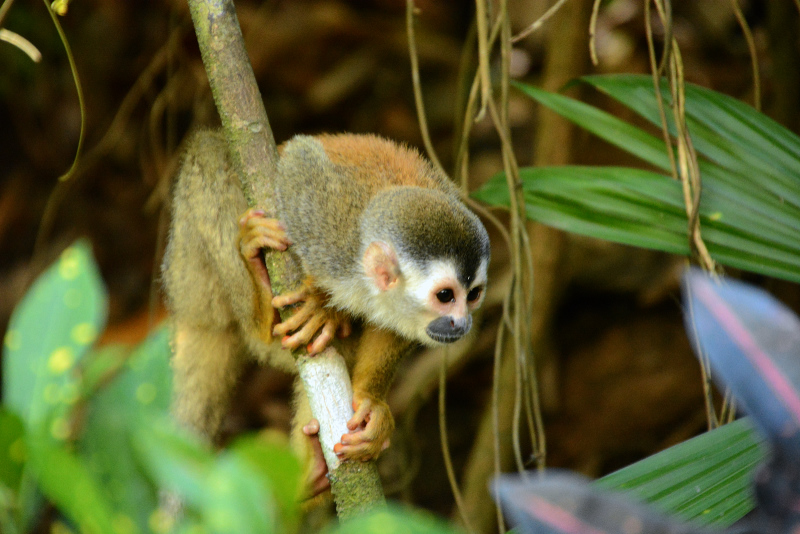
{"x":257,"y":232}
{"x":370,"y":429}
{"x":312,"y":317}
{"x":317,"y":477}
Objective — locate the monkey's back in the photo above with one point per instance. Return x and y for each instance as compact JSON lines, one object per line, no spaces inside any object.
{"x":324,"y":184}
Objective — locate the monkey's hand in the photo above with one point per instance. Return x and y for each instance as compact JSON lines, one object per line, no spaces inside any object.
{"x":312,"y":317}
{"x":370,"y":429}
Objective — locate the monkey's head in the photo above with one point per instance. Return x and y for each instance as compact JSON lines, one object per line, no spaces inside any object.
{"x":425,"y":257}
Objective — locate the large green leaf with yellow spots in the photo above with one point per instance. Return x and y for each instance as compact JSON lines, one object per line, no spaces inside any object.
{"x":49,"y":332}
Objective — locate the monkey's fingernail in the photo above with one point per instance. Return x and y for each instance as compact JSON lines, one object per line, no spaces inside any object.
{"x":260,"y":213}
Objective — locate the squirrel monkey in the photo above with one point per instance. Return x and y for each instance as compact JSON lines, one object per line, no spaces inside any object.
{"x":382,"y":238}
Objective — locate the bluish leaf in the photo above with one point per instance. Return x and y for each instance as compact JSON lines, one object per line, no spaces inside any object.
{"x":753,"y":343}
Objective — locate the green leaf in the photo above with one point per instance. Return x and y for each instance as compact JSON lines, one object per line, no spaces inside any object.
{"x":724,"y":130}
{"x":49,"y":332}
{"x":750,"y":167}
{"x":604,"y":125}
{"x":141,"y":385}
{"x":236,"y":491}
{"x":12,"y":449}
{"x":177,"y":461}
{"x":707,"y":478}
{"x":66,"y":481}
{"x":645,"y":209}
{"x":394,"y":518}
{"x":274,"y":461}
{"x":237,"y":500}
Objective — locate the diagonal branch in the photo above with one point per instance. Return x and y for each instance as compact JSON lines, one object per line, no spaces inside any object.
{"x":255,"y":158}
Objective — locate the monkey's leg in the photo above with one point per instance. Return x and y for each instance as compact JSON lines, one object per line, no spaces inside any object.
{"x":257,"y":232}
{"x":372,"y":424}
{"x":206,"y":366}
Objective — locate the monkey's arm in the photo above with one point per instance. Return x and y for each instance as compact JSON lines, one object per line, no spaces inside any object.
{"x":371,"y":426}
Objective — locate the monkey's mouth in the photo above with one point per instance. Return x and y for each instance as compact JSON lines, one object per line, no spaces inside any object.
{"x":448,"y":329}
{"x":445,"y":338}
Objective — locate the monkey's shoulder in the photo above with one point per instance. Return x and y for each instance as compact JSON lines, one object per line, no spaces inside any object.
{"x":366,"y":163}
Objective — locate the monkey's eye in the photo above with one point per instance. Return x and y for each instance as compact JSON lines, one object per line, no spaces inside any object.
{"x":445,"y":295}
{"x":474,"y":294}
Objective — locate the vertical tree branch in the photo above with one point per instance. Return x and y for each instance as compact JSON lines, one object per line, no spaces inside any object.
{"x":253,"y":153}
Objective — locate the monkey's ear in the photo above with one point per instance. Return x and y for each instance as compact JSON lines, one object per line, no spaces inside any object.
{"x":381,"y":265}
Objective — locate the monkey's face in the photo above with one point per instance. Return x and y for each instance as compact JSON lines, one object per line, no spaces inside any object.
{"x":445,"y":300}
{"x":428,"y":300}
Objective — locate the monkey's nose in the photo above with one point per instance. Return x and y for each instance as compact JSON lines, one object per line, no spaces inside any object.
{"x":448,"y":329}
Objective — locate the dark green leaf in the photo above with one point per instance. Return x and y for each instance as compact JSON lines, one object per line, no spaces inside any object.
{"x":604,"y":125}
{"x":12,"y":449}
{"x":67,"y":482}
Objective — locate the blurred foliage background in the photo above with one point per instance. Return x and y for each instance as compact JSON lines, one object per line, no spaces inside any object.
{"x":618,"y":380}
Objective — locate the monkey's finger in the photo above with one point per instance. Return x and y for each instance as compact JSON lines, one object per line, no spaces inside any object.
{"x":250,"y":214}
{"x":311,"y":428}
{"x":304,"y":335}
{"x":356,"y":438}
{"x":298,"y":319}
{"x":251,"y":243}
{"x":324,"y":337}
{"x":345,"y":328}
{"x":257,"y":217}
{"x":361,"y":416}
{"x":357,"y":447}
{"x":317,"y":482}
{"x":281,"y":301}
